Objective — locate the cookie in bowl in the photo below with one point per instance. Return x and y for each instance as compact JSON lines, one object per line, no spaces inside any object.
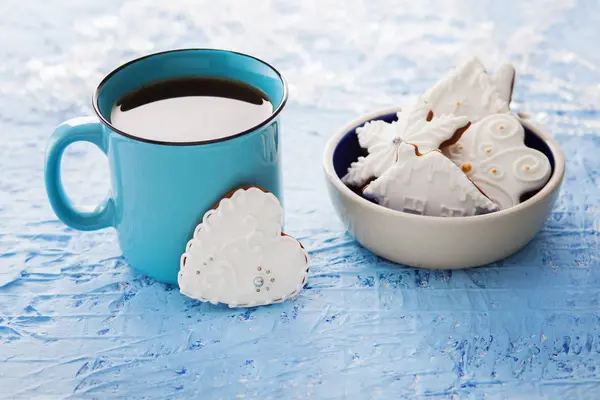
{"x":427,"y":184}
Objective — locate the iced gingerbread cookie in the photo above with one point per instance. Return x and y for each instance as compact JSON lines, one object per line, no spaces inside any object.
{"x":239,"y":256}
{"x":427,"y":184}
{"x":493,"y":155}
{"x":408,"y":128}
{"x":469,"y":92}
{"x":426,"y":135}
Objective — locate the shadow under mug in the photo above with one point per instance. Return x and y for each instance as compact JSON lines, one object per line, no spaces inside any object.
{"x":160,"y":190}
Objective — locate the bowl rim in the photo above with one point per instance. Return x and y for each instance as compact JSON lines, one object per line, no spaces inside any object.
{"x":552,"y":184}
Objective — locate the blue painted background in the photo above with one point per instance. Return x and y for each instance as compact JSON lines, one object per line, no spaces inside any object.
{"x":75,"y":322}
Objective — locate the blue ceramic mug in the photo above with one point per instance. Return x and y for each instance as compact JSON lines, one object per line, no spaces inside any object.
{"x":161,"y":190}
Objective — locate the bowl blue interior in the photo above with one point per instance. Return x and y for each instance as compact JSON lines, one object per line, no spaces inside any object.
{"x":348,"y":150}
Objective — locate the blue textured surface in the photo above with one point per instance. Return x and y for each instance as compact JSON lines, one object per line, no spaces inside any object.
{"x":76,"y":322}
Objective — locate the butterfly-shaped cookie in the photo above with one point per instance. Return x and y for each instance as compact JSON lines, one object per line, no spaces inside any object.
{"x":494,"y":156}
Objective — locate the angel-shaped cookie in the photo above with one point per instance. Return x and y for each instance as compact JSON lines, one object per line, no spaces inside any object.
{"x":239,"y":256}
{"x":494,"y":156}
{"x":427,"y":184}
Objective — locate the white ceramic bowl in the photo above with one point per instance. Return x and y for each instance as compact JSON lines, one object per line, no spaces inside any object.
{"x":438,"y":242}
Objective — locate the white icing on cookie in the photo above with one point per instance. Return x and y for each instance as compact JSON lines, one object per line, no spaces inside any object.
{"x":375,"y":133}
{"x":429,"y":184}
{"x":427,"y":136}
{"x":504,"y":80}
{"x":371,"y":166}
{"x":410,"y":120}
{"x":493,"y":155}
{"x":238,"y":255}
{"x":435,"y":133}
{"x":467,"y":91}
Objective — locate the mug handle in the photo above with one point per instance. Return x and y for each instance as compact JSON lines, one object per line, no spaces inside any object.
{"x":83,"y":129}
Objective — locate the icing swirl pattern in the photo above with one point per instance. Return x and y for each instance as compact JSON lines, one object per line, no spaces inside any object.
{"x":503,"y":167}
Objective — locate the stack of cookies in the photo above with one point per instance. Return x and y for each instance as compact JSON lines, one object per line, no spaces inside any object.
{"x":457,"y":151}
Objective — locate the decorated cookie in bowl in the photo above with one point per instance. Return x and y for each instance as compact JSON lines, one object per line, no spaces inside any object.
{"x":425,"y":135}
{"x":427,"y":184}
{"x":239,"y":256}
{"x":494,"y":156}
{"x":417,"y":125}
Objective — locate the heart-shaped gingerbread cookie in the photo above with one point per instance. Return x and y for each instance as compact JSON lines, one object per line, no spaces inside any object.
{"x":239,"y":256}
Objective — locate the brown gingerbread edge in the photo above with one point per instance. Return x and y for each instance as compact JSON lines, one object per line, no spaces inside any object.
{"x":512,"y":88}
{"x":455,"y":137}
{"x":478,"y":188}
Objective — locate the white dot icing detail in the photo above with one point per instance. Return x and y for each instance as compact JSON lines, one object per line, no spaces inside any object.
{"x":496,"y":172}
{"x":519,"y":169}
{"x":239,"y":250}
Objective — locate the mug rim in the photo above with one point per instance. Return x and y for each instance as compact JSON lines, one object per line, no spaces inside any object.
{"x":265,"y":122}
{"x":552,"y":185}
